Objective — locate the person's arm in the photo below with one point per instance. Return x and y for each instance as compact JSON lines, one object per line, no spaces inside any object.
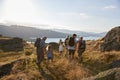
{"x":75,"y":44}
{"x":52,"y":55}
{"x":44,"y":49}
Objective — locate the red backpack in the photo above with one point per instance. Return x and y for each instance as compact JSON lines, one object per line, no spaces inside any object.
{"x":82,"y":44}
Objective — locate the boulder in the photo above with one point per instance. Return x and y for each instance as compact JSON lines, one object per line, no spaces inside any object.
{"x":55,"y":45}
{"x":111,"y":74}
{"x":114,"y":64}
{"x":111,"y":40}
{"x":11,"y":44}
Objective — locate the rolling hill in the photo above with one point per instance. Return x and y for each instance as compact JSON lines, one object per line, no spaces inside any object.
{"x":28,"y":32}
{"x":81,"y":33}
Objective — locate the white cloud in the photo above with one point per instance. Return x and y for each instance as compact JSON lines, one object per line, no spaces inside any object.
{"x":67,"y":14}
{"x":110,"y":7}
{"x":84,"y":15}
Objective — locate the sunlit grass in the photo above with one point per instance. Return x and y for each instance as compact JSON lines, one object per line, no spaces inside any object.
{"x":60,"y":69}
{"x":96,"y":61}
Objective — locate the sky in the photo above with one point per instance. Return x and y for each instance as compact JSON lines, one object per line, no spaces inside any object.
{"x":81,"y":15}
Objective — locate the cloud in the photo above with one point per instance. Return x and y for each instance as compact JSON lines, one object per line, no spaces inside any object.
{"x":84,"y":15}
{"x":67,"y":14}
{"x":110,"y":7}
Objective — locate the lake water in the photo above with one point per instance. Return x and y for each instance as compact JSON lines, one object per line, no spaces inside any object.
{"x":57,"y":39}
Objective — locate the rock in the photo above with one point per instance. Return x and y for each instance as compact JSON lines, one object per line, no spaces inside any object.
{"x":9,"y":68}
{"x":5,"y":69}
{"x":111,"y":74}
{"x":111,"y":40}
{"x":114,"y":64}
{"x":11,"y":44}
{"x":55,"y":45}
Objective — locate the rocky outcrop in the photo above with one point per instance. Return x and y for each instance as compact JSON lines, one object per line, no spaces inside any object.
{"x":10,"y":67}
{"x":5,"y":69}
{"x":111,"y":74}
{"x":114,"y":64}
{"x":111,"y":40}
{"x":11,"y":44}
{"x":54,"y":45}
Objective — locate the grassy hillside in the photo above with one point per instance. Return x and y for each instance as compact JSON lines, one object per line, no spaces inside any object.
{"x":24,"y":64}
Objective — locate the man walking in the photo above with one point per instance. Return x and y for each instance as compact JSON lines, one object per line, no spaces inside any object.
{"x":42,"y":48}
{"x":81,"y":48}
{"x":72,"y":47}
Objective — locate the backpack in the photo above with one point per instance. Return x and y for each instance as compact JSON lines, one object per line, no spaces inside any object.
{"x":82,"y":44}
{"x":37,"y":43}
{"x":71,"y":41}
{"x":66,"y":41}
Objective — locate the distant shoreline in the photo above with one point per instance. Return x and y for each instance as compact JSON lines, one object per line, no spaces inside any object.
{"x":57,"y":39}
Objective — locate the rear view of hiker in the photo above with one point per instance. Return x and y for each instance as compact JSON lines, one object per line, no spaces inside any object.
{"x":66,"y":45}
{"x":42,"y":48}
{"x":61,"y":47}
{"x":81,"y":48}
{"x":72,"y":47}
{"x":37,"y":45}
{"x":49,"y":53}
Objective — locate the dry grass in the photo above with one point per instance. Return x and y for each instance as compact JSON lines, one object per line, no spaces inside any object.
{"x":60,"y":69}
{"x":6,"y":57}
{"x":96,"y":61}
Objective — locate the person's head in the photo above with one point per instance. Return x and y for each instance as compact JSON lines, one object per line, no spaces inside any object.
{"x":44,"y":38}
{"x":49,"y":47}
{"x":67,"y":36}
{"x":60,"y":40}
{"x":38,"y":39}
{"x":81,"y":38}
{"x":74,"y":35}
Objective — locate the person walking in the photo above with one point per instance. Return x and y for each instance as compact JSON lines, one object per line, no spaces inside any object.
{"x":37,"y":45}
{"x":61,"y":47}
{"x":66,"y":45}
{"x":72,"y":47}
{"x":81,"y":46}
{"x":49,"y":53}
{"x":42,"y":48}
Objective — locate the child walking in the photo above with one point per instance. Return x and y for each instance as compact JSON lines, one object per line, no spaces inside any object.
{"x":49,"y":53}
{"x":61,"y":47}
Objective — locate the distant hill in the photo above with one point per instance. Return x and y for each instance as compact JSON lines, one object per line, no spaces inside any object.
{"x":28,"y":32}
{"x":81,"y":33}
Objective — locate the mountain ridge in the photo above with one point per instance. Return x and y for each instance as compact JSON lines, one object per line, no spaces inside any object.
{"x":26,"y":32}
{"x":81,"y":33}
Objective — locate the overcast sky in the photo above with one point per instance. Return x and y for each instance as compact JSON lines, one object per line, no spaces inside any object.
{"x":83,"y":15}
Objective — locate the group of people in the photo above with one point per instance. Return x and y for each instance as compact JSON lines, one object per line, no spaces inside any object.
{"x":71,"y":44}
{"x":41,"y":49}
